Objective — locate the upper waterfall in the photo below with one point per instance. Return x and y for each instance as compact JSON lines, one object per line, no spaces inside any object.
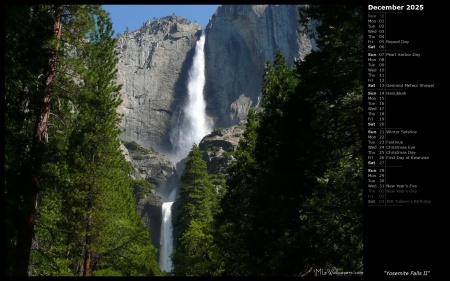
{"x":194,"y":124}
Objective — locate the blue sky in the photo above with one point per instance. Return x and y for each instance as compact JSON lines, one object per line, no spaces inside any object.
{"x":134,"y":16}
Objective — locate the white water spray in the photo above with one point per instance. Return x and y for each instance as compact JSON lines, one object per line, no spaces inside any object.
{"x":195,"y":124}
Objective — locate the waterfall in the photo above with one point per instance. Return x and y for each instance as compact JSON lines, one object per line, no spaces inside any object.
{"x":192,"y":127}
{"x":195,"y":124}
{"x":166,"y":240}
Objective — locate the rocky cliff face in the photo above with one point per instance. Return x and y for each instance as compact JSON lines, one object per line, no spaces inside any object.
{"x":152,"y":166}
{"x":155,"y":168}
{"x":218,"y":147}
{"x":154,"y":62}
{"x":239,"y":41}
{"x":149,"y":209}
{"x":153,"y":66}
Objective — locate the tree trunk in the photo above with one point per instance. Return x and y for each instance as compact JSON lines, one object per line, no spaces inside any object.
{"x":27,"y":218}
{"x":87,"y":259}
{"x":25,"y":235}
{"x":42,"y":119}
{"x":87,"y":253}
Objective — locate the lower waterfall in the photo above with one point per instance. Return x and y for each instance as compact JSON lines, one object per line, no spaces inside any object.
{"x":166,"y":240}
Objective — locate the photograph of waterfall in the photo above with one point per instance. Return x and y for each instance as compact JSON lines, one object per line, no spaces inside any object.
{"x":219,"y":140}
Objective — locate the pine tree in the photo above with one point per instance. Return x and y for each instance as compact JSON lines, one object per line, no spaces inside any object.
{"x":86,"y":192}
{"x":193,"y":253}
{"x":335,"y":77}
{"x":30,"y":55}
{"x":234,"y":231}
{"x":197,"y":191}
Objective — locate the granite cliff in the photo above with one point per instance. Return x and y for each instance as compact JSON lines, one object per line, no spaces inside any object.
{"x":155,"y":168}
{"x":153,"y":65}
{"x":154,"y":62}
{"x":239,"y":41}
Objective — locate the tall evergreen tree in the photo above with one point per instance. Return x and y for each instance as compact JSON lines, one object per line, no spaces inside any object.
{"x":100,"y":211}
{"x":30,"y":57}
{"x":234,"y":231}
{"x":192,"y":255}
{"x":62,"y":58}
{"x":276,"y":226}
{"x":337,"y":200}
{"x":197,"y":191}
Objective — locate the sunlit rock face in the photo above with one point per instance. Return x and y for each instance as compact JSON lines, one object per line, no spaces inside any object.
{"x":218,"y":147}
{"x":154,"y":64}
{"x":153,"y":69}
{"x":239,"y":41}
